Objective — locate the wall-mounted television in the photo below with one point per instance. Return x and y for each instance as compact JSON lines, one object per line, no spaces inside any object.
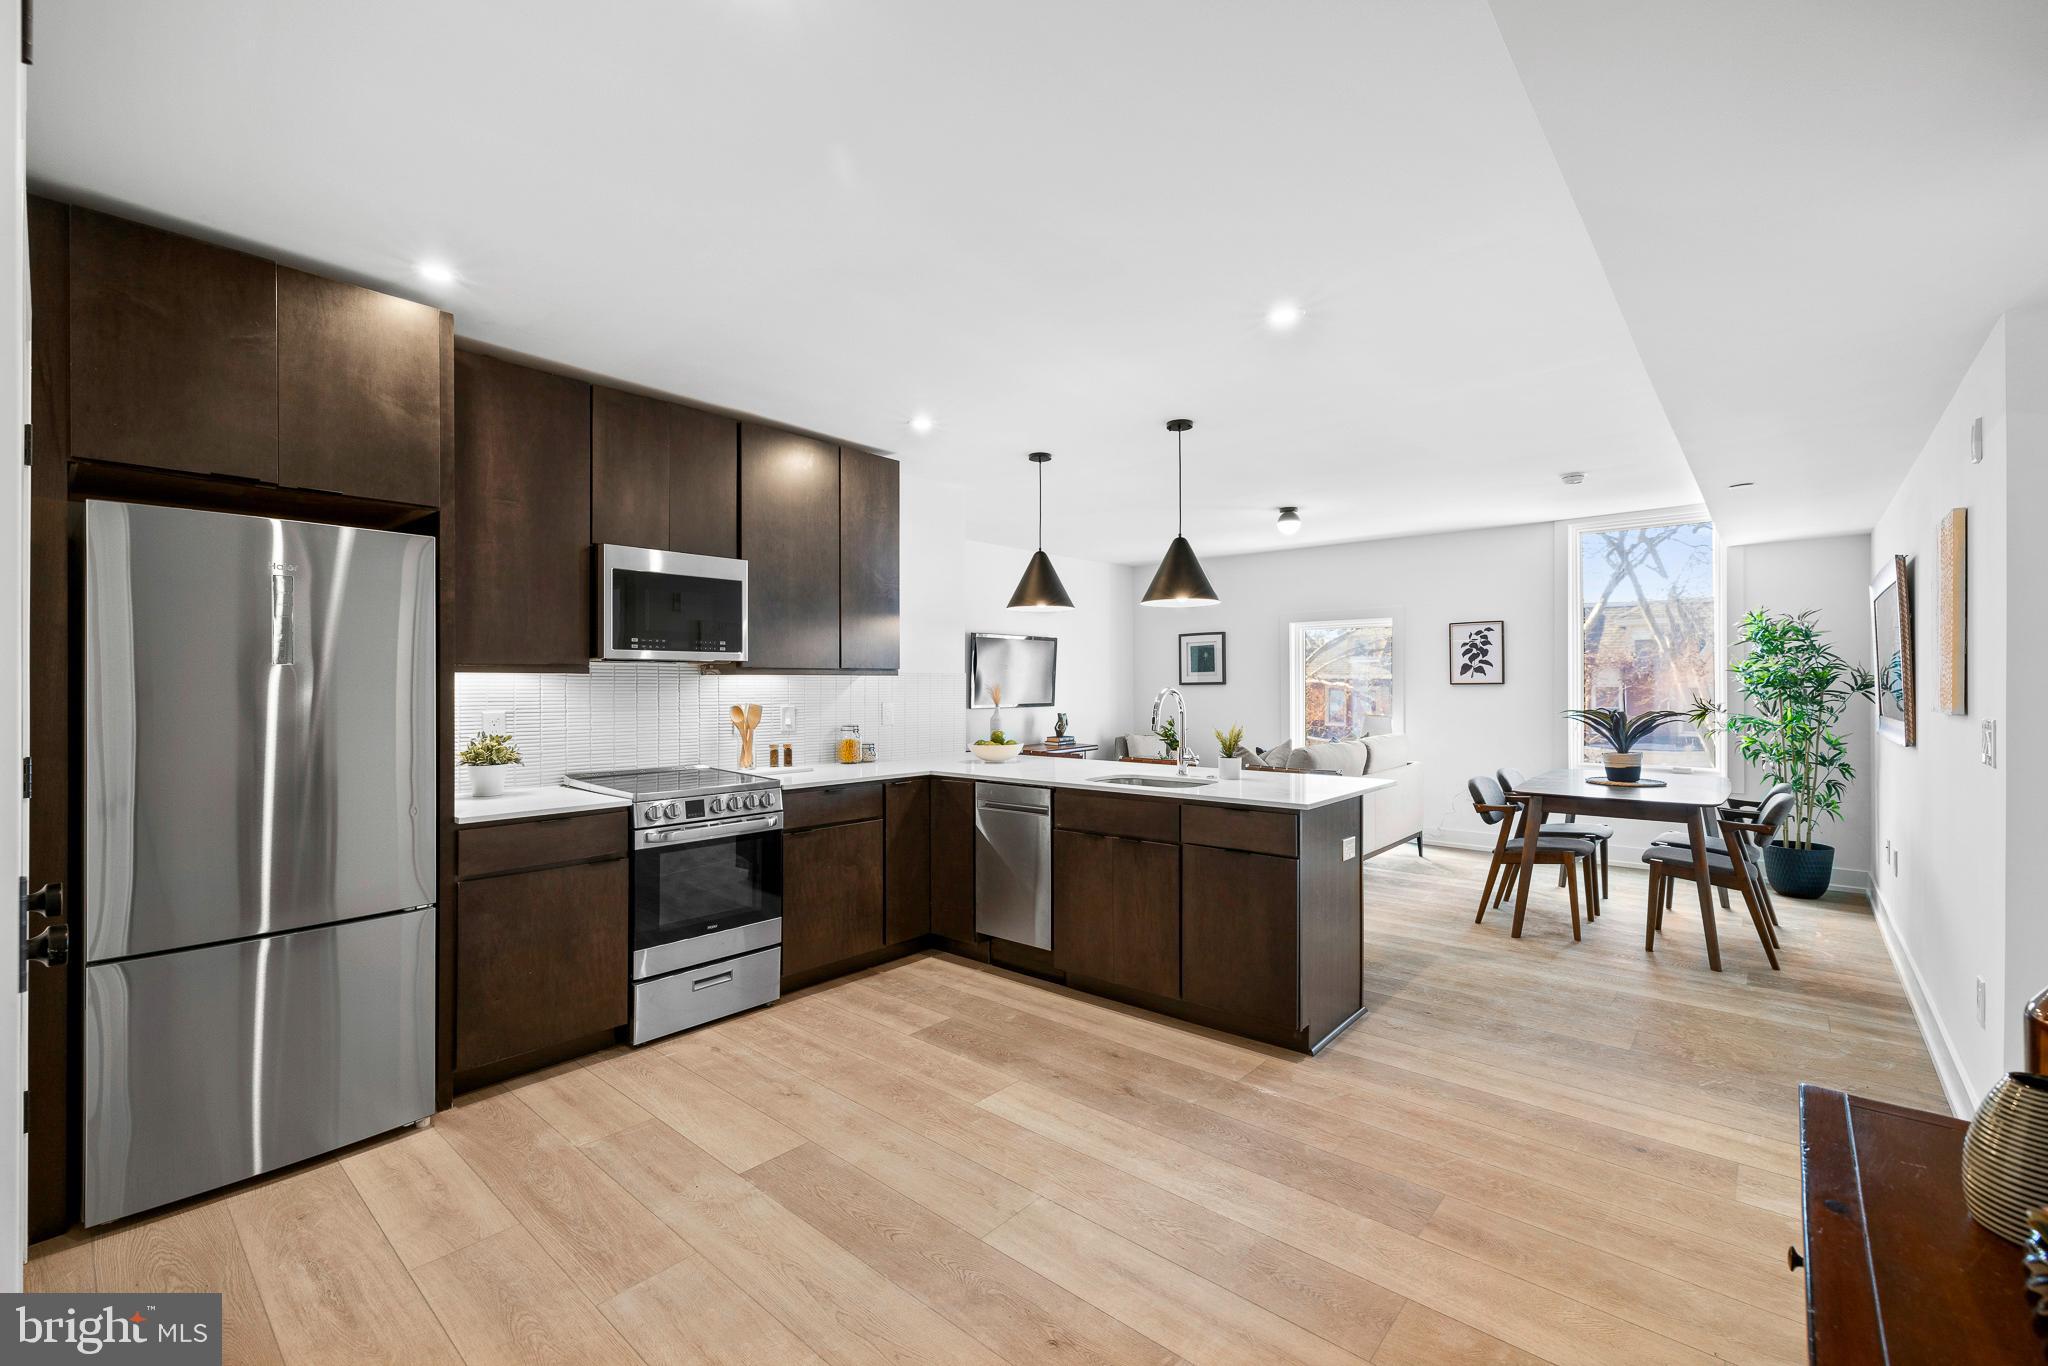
{"x":1023,"y":666}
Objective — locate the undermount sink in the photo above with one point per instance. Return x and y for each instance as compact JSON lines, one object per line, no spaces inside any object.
{"x":1146,"y":780}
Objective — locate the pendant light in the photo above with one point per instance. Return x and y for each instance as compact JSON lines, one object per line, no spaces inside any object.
{"x":1180,"y":581}
{"x":1040,"y":590}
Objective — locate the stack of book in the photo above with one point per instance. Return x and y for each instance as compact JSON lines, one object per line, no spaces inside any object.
{"x":1061,"y":742}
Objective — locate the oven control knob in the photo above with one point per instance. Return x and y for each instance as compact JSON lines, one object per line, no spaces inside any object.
{"x":654,"y":812}
{"x":750,"y":802}
{"x":669,"y":810}
{"x":717,"y":805}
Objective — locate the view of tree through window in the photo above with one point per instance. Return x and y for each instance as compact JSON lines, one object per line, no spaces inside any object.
{"x":1344,"y":676}
{"x":1646,"y":628}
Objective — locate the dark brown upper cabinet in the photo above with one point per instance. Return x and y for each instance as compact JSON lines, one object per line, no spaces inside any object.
{"x":663,"y":475}
{"x":789,"y":534}
{"x":173,"y":351}
{"x":358,"y":391}
{"x":516,"y":519}
{"x":870,"y":592}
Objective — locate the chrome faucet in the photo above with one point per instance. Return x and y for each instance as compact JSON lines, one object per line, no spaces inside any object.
{"x":1183,"y":756}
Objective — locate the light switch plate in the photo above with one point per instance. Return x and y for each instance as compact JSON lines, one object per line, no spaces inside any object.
{"x":1350,"y":848}
{"x":789,"y":718}
{"x":1987,"y":737}
{"x":1977,"y":442}
{"x":888,"y":713}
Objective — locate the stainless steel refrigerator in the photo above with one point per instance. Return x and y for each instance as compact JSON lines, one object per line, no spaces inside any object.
{"x":260,"y":822}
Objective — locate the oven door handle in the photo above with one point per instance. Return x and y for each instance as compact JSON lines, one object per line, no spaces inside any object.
{"x":703,"y":834}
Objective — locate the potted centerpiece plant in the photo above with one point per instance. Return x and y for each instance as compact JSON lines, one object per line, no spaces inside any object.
{"x":487,"y":757}
{"x":1621,"y":733}
{"x":1795,"y":687}
{"x":998,"y":748}
{"x":1230,"y":752}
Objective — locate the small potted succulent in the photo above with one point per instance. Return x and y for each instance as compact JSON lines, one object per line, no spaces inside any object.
{"x":487,"y":757}
{"x":1230,"y":752}
{"x":1622,"y":733}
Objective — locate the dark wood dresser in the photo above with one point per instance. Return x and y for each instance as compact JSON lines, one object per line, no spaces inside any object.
{"x":1896,"y":1270}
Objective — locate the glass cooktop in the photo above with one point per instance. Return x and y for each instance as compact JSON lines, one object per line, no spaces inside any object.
{"x":649,"y":784}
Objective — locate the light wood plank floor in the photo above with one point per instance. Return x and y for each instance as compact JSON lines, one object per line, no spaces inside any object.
{"x":1532,"y":1150}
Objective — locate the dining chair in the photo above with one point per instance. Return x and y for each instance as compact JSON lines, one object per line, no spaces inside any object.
{"x":1739,"y":808}
{"x":1568,"y":828}
{"x":1671,"y":864}
{"x":1495,"y":808}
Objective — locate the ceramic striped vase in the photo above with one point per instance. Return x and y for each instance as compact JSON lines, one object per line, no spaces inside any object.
{"x":2005,"y":1156}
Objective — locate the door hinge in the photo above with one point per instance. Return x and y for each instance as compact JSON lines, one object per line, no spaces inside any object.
{"x":28,"y":777}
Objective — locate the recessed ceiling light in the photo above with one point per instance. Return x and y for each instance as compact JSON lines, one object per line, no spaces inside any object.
{"x":437,"y":272}
{"x":1744,"y":484}
{"x":1290,"y":521}
{"x":921,"y":423}
{"x":1573,"y":476}
{"x":1285,"y":316}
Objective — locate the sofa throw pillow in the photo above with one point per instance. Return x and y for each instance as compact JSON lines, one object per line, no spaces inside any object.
{"x":1388,"y":751}
{"x":1144,"y":747}
{"x":1274,"y":758}
{"x":1343,"y":757}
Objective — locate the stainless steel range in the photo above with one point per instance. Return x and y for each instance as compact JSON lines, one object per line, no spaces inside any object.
{"x":707,"y":892}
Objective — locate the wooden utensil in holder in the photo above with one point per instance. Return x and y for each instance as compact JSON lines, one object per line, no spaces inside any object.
{"x":744,"y":720}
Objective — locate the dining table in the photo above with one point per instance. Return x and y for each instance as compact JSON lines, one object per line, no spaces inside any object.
{"x":1691,"y":799}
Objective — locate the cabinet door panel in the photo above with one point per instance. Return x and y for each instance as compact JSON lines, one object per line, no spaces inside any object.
{"x":629,"y":460}
{"x":541,"y":958}
{"x":359,"y":391}
{"x":831,"y":894}
{"x":907,"y":872}
{"x":703,"y":482}
{"x":870,"y":594}
{"x":1239,"y":943}
{"x":173,"y":351}
{"x":952,"y":860}
{"x":1116,"y":911}
{"x":517,"y":524}
{"x":789,"y":534}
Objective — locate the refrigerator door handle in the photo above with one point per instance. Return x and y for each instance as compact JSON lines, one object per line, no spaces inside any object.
{"x":280,"y":617}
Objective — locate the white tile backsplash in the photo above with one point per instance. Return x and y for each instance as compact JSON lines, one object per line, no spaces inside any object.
{"x":643,"y":715}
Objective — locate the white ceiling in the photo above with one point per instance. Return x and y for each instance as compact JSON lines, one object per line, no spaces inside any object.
{"x":1055,"y":226}
{"x":1811,"y":214}
{"x":1050,"y":226}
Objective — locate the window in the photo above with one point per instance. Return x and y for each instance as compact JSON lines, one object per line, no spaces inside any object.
{"x":1343,"y":677}
{"x":1646,"y":627}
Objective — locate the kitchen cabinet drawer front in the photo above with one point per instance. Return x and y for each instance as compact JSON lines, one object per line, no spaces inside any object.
{"x":481,"y":850}
{"x":1116,"y":911}
{"x":831,"y":895}
{"x":540,"y":959}
{"x":907,"y":868}
{"x":1238,"y":827}
{"x":1138,"y":818}
{"x":810,"y":806}
{"x":1239,"y":941}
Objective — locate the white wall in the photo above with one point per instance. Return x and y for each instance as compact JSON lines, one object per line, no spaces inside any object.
{"x":1427,"y":582}
{"x":1946,"y":909}
{"x":2023,"y":731}
{"x":1829,"y":575}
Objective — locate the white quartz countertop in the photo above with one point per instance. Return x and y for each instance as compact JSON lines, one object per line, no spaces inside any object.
{"x":1287,"y":791}
{"x":522,"y":803}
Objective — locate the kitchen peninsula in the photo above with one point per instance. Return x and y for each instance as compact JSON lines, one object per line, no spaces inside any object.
{"x":1231,"y":903}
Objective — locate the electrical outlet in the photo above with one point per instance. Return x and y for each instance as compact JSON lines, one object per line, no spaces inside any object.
{"x":1987,"y":741}
{"x":888,"y":713}
{"x":789,"y":718}
{"x":1350,"y":848}
{"x":497,"y":722}
{"x":1980,"y":1003}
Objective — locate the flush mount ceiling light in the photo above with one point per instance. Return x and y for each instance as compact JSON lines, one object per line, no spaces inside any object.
{"x":921,"y":423}
{"x":1180,"y":581}
{"x":1290,"y":521}
{"x":1573,"y":476}
{"x":1285,"y":316}
{"x":1744,"y":484}
{"x":1040,"y":590}
{"x":436,"y":272}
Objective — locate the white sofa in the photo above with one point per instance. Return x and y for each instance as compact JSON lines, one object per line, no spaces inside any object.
{"x":1393,"y":816}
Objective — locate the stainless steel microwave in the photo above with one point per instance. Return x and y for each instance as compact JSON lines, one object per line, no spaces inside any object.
{"x":658,"y":604}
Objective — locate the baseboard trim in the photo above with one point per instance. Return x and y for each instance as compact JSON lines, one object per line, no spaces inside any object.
{"x":1947,"y":1062}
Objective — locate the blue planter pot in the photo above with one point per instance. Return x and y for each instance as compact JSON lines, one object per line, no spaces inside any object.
{"x":1799,"y":872}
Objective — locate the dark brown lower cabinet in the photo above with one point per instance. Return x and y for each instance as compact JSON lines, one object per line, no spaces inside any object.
{"x":1240,"y":950}
{"x":1116,"y":911}
{"x":952,"y":860}
{"x":541,"y":959}
{"x":906,"y":865}
{"x":831,"y":894}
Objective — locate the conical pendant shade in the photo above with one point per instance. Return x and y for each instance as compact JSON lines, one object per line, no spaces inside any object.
{"x":1180,"y":580}
{"x":1040,"y":590}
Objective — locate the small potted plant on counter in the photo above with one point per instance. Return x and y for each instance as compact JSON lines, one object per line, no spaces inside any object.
{"x":1797,"y":686}
{"x":1622,"y":733}
{"x":487,"y":757}
{"x":1230,"y":752}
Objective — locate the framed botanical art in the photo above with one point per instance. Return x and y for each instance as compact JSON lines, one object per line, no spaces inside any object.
{"x":1479,"y":652}
{"x":1201,"y":658}
{"x":1891,"y":629}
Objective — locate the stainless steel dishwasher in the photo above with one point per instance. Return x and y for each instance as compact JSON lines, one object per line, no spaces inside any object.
{"x":1013,"y":863}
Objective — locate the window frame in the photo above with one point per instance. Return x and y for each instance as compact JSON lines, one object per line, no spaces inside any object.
{"x":1297,"y":718}
{"x":1571,"y":593}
